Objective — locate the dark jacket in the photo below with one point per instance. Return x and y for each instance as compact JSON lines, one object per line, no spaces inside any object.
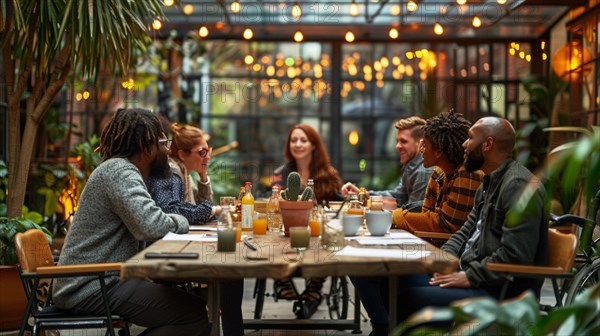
{"x":525,"y":243}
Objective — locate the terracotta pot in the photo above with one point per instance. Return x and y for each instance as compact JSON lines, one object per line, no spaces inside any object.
{"x":12,"y":298}
{"x":294,"y":214}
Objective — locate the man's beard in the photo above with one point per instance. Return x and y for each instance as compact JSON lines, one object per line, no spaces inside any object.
{"x":159,"y":167}
{"x":474,"y":160}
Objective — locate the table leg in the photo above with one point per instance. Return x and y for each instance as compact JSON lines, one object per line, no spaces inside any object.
{"x":213,"y":303}
{"x":393,"y":300}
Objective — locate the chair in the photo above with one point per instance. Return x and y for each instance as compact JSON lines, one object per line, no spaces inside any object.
{"x":436,"y":238}
{"x":36,"y":264}
{"x":562,"y":249}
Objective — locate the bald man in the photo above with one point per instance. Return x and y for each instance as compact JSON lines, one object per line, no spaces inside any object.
{"x":486,"y":236}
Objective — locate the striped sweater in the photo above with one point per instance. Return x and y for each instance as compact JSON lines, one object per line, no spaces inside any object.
{"x":448,"y":201}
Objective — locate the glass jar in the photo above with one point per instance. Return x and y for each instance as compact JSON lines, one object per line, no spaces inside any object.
{"x":332,"y":233}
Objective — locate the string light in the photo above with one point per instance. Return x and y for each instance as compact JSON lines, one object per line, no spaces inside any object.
{"x":395,"y":10}
{"x":188,"y":9}
{"x":298,"y":36}
{"x":394,"y":33}
{"x":411,"y":6}
{"x":476,"y":21}
{"x":296,"y":11}
{"x":349,"y":37}
{"x":248,"y":33}
{"x":353,"y":9}
{"x":438,"y":29}
{"x":156,"y":24}
{"x":203,"y":31}
{"x":501,"y":2}
{"x":235,"y":7}
{"x":461,"y":2}
{"x":168,"y":3}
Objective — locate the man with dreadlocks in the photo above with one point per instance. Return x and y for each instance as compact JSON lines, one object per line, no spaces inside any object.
{"x":114,"y":219}
{"x":451,"y":188}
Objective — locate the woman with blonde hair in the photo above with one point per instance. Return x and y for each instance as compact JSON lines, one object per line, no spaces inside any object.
{"x":189,"y":152}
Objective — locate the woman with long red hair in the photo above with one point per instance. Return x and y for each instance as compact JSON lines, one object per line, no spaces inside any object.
{"x":305,"y":154}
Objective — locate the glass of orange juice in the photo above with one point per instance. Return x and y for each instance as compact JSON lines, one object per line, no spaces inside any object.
{"x":315,"y":225}
{"x":259,"y":223}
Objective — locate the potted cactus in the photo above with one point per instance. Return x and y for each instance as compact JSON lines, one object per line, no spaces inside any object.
{"x":295,"y":207}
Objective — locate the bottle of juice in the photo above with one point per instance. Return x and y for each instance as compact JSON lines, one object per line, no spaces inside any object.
{"x":273,"y":214}
{"x":247,"y":208}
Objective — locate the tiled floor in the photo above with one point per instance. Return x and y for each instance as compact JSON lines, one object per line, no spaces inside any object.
{"x":281,"y":309}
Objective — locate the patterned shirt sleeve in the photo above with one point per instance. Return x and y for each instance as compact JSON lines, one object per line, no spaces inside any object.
{"x":168,"y":195}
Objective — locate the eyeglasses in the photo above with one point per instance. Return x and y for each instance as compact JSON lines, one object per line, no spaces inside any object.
{"x":203,"y":152}
{"x":165,"y":142}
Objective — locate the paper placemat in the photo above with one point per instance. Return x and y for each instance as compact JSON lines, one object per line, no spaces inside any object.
{"x":350,"y":251}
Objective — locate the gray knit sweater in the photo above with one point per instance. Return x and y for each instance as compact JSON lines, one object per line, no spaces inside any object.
{"x":114,"y":219}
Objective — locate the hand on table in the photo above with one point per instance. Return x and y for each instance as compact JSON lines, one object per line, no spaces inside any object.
{"x":456,"y":279}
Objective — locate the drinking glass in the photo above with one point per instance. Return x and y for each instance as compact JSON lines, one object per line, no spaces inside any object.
{"x":300,"y":239}
{"x":332,"y":234}
{"x":227,"y":201}
{"x":259,"y":223}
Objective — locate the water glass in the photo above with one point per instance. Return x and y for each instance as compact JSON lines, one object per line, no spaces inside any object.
{"x":226,"y":240}
{"x":332,"y":234}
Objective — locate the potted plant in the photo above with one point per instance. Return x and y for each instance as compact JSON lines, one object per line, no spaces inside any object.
{"x":12,"y":295}
{"x":295,"y":207}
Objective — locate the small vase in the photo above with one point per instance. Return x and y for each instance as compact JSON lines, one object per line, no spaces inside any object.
{"x":294,"y":213}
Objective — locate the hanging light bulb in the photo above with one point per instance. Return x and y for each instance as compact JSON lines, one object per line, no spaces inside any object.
{"x":353,"y":9}
{"x":235,"y":7}
{"x":438,"y":29}
{"x":168,"y":3}
{"x":248,"y":59}
{"x":349,"y":37}
{"x":296,"y":11}
{"x":501,"y":2}
{"x":394,"y":33}
{"x":395,"y":10}
{"x":461,"y":2}
{"x":203,"y":31}
{"x":248,"y":33}
{"x":476,"y":21}
{"x":412,"y":6}
{"x":156,"y":24}
{"x":298,"y":36}
{"x":188,"y":9}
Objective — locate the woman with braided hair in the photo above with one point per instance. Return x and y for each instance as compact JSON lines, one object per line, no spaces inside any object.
{"x":115,"y":219}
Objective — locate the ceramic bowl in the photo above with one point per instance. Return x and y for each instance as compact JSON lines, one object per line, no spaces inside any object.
{"x":351,"y":224}
{"x":378,"y":222}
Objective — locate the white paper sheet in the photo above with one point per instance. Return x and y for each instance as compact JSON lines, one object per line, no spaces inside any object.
{"x":388,"y":241}
{"x":191,"y":237}
{"x":202,"y":228}
{"x":350,"y":251}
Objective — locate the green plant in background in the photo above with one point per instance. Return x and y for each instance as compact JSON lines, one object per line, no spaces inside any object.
{"x":519,"y":316}
{"x":108,"y":35}
{"x":9,"y":227}
{"x":532,"y":141}
{"x":87,"y":156}
{"x":3,"y":184}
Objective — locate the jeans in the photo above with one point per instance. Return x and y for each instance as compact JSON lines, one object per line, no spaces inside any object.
{"x":163,"y":310}
{"x":414,"y":293}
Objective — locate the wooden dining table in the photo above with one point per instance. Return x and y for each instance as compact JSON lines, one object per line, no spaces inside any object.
{"x":274,"y":258}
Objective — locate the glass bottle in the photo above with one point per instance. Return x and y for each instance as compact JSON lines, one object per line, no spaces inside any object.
{"x":237,"y":214}
{"x":273,"y":214}
{"x":247,"y":208}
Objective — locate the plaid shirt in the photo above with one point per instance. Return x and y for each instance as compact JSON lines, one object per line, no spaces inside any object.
{"x":448,"y":201}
